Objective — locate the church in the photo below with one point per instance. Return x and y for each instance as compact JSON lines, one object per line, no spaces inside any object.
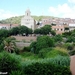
{"x":28,"y":21}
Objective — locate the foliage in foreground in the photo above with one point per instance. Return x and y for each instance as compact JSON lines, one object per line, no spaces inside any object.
{"x":9,"y":62}
{"x":42,"y":42}
{"x":46,"y":69}
{"x":53,"y":66}
{"x":14,"y":64}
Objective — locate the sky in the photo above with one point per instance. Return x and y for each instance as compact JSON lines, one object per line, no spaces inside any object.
{"x":56,"y":8}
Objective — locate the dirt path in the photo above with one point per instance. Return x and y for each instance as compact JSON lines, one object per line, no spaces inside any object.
{"x":72,"y":65}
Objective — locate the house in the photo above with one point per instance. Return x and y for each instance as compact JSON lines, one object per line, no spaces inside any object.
{"x":28,"y":21}
{"x":71,"y":26}
{"x":58,"y":28}
{"x":8,"y":26}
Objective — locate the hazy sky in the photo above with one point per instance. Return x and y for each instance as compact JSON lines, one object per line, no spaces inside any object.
{"x":57,"y":8}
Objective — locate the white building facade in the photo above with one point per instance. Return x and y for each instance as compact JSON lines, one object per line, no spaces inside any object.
{"x":71,"y":27}
{"x":28,"y":21}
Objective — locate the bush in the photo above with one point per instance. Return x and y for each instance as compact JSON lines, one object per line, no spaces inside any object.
{"x":70,"y":47}
{"x":18,"y":72}
{"x":44,"y":52}
{"x":44,"y":42}
{"x":58,"y":65}
{"x":1,"y":47}
{"x":17,"y":51}
{"x":72,"y":52}
{"x":60,"y":60}
{"x":33,"y":47}
{"x":27,"y":49}
{"x":46,"y":69}
{"x":58,"y":38}
{"x":9,"y":62}
{"x":61,"y":51}
{"x":52,"y":52}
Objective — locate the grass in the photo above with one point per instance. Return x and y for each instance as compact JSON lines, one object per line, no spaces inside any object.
{"x":45,"y":53}
{"x":29,"y":55}
{"x":58,"y":60}
{"x":53,"y":52}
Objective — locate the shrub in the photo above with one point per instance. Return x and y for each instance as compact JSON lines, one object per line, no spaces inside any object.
{"x":18,"y":72}
{"x":61,"y":51}
{"x":72,"y":52}
{"x":58,"y":38}
{"x":44,"y":52}
{"x":17,"y":51}
{"x":70,"y":47}
{"x":44,"y":42}
{"x":46,"y":69}
{"x":27,"y":49}
{"x":58,"y":65}
{"x":9,"y":62}
{"x":1,"y":47}
{"x":52,"y":52}
{"x":33,"y":47}
{"x":60,"y":60}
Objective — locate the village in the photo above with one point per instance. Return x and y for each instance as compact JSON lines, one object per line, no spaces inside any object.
{"x":59,"y":25}
{"x":44,"y":47}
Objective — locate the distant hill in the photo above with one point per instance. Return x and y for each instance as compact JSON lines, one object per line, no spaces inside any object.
{"x":17,"y":19}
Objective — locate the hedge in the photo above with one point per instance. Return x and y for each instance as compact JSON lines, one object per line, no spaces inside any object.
{"x":46,"y":69}
{"x":48,"y":66}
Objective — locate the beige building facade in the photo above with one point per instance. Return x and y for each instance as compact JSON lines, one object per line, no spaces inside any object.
{"x":58,"y":28}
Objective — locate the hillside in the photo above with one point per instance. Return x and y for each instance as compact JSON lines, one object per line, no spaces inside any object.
{"x":17,"y":19}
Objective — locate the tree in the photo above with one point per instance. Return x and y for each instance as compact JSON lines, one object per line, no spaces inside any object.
{"x":24,"y":30}
{"x":58,"y":38}
{"x":46,"y":29}
{"x":37,"y":31}
{"x":33,"y":47}
{"x":30,"y":31}
{"x":53,"y":32}
{"x":9,"y":45}
{"x":43,"y":42}
{"x":14,"y":31}
{"x":3,"y":34}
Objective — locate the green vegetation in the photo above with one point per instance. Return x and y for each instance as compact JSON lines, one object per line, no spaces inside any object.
{"x":8,"y":62}
{"x":45,"y":30}
{"x":42,"y":42}
{"x":48,"y":55}
{"x":53,"y":66}
{"x":17,"y":19}
{"x":52,"y":52}
{"x":46,"y":69}
{"x":15,"y":64}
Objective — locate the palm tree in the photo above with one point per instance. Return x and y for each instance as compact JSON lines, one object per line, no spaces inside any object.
{"x":9,"y":46}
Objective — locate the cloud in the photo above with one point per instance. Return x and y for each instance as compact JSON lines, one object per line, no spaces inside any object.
{"x":63,"y":10}
{"x":4,"y":14}
{"x":71,"y":1}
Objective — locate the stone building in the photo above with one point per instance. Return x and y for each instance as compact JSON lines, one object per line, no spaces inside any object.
{"x":28,"y":21}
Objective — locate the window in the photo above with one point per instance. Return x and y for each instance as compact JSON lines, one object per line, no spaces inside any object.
{"x":57,"y":29}
{"x":27,"y":14}
{"x":61,"y":29}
